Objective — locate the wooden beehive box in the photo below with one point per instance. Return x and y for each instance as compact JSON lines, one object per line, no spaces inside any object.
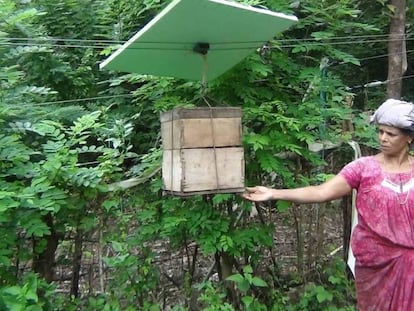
{"x":202,"y":150}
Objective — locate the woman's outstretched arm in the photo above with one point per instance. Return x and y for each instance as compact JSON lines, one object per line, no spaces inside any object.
{"x":330,"y":190}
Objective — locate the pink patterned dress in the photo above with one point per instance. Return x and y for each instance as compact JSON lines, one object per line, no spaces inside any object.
{"x":383,"y":240}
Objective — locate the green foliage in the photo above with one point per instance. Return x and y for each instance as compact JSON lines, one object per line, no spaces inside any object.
{"x":246,"y":280}
{"x":366,"y":133}
{"x":333,"y":292}
{"x":58,"y":150}
{"x":25,"y":297}
{"x":136,"y":275}
{"x":50,"y":173}
{"x":212,"y":299}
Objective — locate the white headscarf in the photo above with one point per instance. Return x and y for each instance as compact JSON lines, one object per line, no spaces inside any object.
{"x":396,"y":113}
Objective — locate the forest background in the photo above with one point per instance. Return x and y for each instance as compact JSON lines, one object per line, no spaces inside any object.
{"x":84,"y":223}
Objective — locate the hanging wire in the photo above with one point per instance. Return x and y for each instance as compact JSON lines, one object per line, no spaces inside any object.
{"x":221,"y":49}
{"x":204,"y":77}
{"x":377,"y":83}
{"x":350,"y":38}
{"x":385,"y":55}
{"x":75,"y":100}
{"x":213,"y":138}
{"x":62,"y":43}
{"x":312,"y":42}
{"x":215,"y":46}
{"x":353,"y":42}
{"x":370,"y":84}
{"x":172,"y":153}
{"x":64,"y":40}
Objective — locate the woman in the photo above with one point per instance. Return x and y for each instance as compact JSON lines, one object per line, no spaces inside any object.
{"x":383,"y":240}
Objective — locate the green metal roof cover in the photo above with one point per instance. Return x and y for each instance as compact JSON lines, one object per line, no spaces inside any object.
{"x":197,"y":39}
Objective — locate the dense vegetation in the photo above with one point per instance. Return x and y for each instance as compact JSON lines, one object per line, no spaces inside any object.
{"x":84,"y":224}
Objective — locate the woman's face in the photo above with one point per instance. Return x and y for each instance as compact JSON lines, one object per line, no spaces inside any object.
{"x":392,"y":140}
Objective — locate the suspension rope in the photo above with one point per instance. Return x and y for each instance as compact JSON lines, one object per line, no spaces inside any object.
{"x":212,"y":130}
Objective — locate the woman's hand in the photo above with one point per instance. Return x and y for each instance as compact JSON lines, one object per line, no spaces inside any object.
{"x":258,"y":193}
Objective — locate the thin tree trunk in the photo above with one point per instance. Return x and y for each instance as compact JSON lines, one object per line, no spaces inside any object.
{"x":44,"y":261}
{"x":320,"y":229}
{"x":396,"y":49}
{"x":76,"y":265}
{"x":298,"y":218}
{"x":100,"y":260}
